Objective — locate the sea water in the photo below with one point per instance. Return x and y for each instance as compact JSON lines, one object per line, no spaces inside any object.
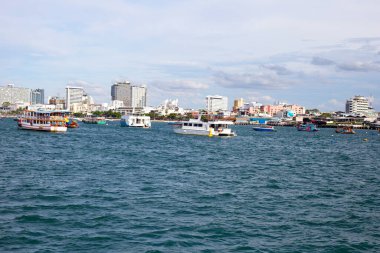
{"x":104,"y":188}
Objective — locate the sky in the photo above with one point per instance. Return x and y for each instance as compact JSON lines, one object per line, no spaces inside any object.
{"x":315,"y":53}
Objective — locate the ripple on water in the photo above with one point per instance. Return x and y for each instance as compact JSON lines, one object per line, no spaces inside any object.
{"x":113,"y":189}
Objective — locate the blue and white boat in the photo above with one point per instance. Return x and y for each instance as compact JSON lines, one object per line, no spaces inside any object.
{"x":135,"y":120}
{"x":264,"y":128}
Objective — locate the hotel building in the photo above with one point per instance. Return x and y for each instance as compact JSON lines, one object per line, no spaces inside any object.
{"x":216,"y":103}
{"x":357,"y":105}
{"x":131,"y":95}
{"x":12,"y":95}
{"x":74,"y":97}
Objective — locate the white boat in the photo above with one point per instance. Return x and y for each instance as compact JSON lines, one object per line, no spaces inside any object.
{"x":135,"y":120}
{"x":198,"y":127}
{"x":50,"y":121}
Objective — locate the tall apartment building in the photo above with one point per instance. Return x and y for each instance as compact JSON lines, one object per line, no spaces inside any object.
{"x":74,"y":95}
{"x":357,"y":105}
{"x":138,"y":96}
{"x":131,"y":95}
{"x":216,"y":103}
{"x":12,"y":95}
{"x":121,"y":91}
{"x":37,"y":96}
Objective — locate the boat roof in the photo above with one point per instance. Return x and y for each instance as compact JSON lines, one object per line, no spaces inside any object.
{"x":216,"y":122}
{"x":49,"y":111}
{"x":221,"y":122}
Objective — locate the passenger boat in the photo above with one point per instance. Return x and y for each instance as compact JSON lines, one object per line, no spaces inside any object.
{"x":50,"y":121}
{"x":135,"y":120}
{"x":264,"y":128}
{"x":345,"y":130}
{"x":307,"y":127}
{"x":94,"y":120}
{"x":198,"y":127}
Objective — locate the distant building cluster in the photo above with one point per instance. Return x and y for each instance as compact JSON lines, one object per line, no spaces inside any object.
{"x":278,"y":109}
{"x":127,"y":97}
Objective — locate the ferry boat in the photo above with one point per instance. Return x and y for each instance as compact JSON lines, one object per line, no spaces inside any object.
{"x":264,"y":128}
{"x":211,"y":128}
{"x":50,"y":121}
{"x":307,"y":127}
{"x":95,"y":120}
{"x":345,"y":130}
{"x":135,"y":120}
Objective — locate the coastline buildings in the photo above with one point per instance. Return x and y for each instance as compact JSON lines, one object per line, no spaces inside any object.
{"x":273,"y":110}
{"x":169,"y":107}
{"x":216,"y":103}
{"x":12,"y":95}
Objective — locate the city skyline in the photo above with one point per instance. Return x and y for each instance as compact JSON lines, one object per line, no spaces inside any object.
{"x":313,"y":54}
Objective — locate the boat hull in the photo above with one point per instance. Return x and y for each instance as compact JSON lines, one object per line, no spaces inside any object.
{"x":45,"y":128}
{"x":191,"y":132}
{"x":125,"y":124}
{"x":264,"y":129}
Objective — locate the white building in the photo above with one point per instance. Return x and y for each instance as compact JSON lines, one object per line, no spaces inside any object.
{"x":216,"y":103}
{"x":11,"y":94}
{"x":358,"y":105}
{"x":138,"y":96}
{"x":74,"y":95}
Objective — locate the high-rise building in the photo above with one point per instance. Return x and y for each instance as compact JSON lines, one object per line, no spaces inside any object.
{"x":12,"y":95}
{"x":131,"y":95}
{"x":138,"y":96}
{"x":216,"y":103}
{"x":74,"y":95}
{"x":357,"y":105}
{"x":121,"y":91}
{"x":37,"y":96}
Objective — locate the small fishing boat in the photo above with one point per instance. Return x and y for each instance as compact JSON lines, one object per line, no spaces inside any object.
{"x":50,"y":121}
{"x":345,"y":130}
{"x":71,"y":123}
{"x":264,"y":128}
{"x":307,"y":127}
{"x":95,"y":120}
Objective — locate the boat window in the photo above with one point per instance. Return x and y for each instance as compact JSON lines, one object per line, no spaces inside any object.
{"x":185,"y":124}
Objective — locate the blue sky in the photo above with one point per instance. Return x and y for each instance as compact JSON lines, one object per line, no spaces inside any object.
{"x":312,"y":53}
